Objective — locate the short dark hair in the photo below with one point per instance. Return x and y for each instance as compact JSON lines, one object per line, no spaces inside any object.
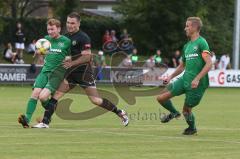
{"x":75,"y":15}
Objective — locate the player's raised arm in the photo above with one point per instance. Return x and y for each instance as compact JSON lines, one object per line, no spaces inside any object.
{"x":84,"y":58}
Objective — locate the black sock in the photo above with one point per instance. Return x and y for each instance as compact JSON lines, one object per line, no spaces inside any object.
{"x":50,"y":108}
{"x":106,"y":104}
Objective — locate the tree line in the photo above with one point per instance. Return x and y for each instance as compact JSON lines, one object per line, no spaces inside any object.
{"x":152,"y":23}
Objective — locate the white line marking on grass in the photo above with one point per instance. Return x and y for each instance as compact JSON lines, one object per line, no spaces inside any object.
{"x":201,"y":128}
{"x":191,"y":138}
{"x":106,"y":131}
{"x":173,"y":127}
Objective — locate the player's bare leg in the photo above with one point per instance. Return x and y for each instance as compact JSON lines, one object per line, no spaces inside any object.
{"x":106,"y":104}
{"x":51,"y":105}
{"x":62,"y":90}
{"x":164,"y":100}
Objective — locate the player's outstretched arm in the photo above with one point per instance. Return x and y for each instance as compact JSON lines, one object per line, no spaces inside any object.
{"x":207,"y":67}
{"x":86,"y":57}
{"x":178,"y":71}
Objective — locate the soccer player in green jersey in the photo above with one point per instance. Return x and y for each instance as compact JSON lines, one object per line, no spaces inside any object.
{"x":79,"y":73}
{"x":52,"y":72}
{"x":196,"y":61}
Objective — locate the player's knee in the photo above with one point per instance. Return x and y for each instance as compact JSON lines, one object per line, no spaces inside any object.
{"x":58,"y":94}
{"x":36,"y":93}
{"x":96,"y":100}
{"x":160,"y":98}
{"x":164,"y":96}
{"x":192,"y":103}
{"x":43,"y":97}
{"x":186,"y":110}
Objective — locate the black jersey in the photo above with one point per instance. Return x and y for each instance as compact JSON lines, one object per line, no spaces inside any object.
{"x":19,"y":36}
{"x":80,"y":41}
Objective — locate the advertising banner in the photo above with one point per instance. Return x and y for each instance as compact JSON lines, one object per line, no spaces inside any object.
{"x":18,"y":74}
{"x":26,"y":74}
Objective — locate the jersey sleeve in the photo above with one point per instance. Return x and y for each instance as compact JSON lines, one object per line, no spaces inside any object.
{"x":86,"y":42}
{"x":204,"y":48}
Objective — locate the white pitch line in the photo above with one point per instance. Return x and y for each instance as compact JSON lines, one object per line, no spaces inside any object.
{"x":150,"y":135}
{"x":13,"y":125}
{"x":102,"y":131}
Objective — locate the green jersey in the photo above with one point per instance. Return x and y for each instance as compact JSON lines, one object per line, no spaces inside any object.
{"x":99,"y":60}
{"x":60,"y":48}
{"x":157,"y":59}
{"x":194,"y":63}
{"x":134,"y":58}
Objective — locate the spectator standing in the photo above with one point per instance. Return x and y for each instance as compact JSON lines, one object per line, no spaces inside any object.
{"x":19,"y":42}
{"x":134,"y":57}
{"x":125,"y":35}
{"x":113,"y":36}
{"x":100,"y":62}
{"x":224,"y":62}
{"x":214,"y":60}
{"x":158,"y":58}
{"x":106,"y":37}
{"x":176,"y":58}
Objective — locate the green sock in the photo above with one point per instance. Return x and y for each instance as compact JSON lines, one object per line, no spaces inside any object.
{"x":31,"y":106}
{"x":44,"y":103}
{"x":169,"y":106}
{"x":190,"y":119}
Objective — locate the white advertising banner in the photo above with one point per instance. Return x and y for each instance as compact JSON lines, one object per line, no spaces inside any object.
{"x":217,"y":78}
{"x":224,"y":78}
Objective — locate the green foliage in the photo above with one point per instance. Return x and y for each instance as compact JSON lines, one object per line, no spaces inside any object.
{"x":33,"y":29}
{"x":20,"y":9}
{"x":66,"y":7}
{"x":36,"y":28}
{"x":160,"y":23}
{"x":219,"y":25}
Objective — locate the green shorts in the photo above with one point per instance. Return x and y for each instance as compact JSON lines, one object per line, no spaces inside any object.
{"x":49,"y":80}
{"x":193,"y":96}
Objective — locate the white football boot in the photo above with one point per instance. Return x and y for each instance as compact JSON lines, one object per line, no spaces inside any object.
{"x":124,"y":117}
{"x":40,"y":125}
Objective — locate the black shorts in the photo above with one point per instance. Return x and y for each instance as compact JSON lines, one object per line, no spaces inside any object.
{"x":84,"y":77}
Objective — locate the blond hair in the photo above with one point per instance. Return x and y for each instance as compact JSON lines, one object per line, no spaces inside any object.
{"x":53,"y":21}
{"x":196,"y":21}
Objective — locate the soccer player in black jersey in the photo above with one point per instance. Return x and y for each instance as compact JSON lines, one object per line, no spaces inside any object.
{"x":80,"y":72}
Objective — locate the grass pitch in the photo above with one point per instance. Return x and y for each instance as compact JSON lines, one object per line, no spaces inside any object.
{"x":103,"y":137}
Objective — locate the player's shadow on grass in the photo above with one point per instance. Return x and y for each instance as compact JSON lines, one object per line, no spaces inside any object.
{"x":64,"y":112}
{"x":126,"y":92}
